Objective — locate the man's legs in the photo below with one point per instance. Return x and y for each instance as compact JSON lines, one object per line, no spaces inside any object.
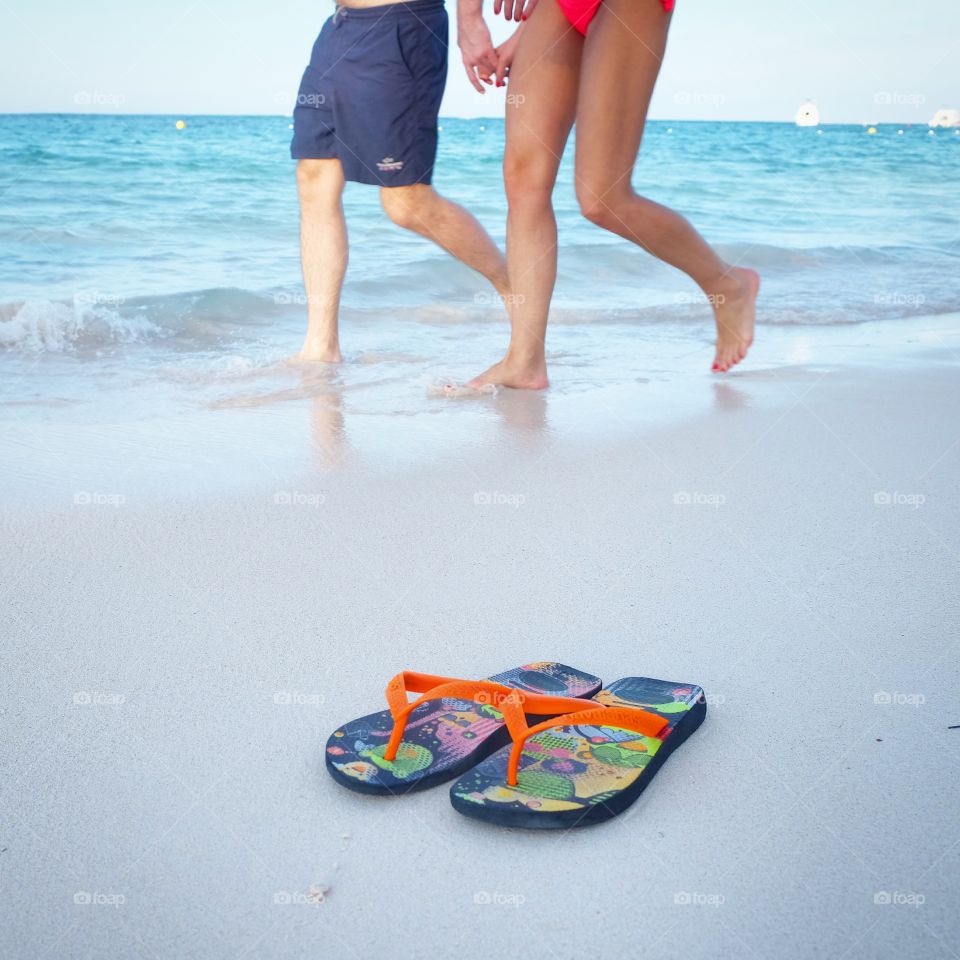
{"x":421,"y":209}
{"x":323,"y":254}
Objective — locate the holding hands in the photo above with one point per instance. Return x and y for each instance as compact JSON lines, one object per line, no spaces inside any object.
{"x":484,"y":63}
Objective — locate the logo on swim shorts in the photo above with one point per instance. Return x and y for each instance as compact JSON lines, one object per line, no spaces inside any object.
{"x":389,"y":165}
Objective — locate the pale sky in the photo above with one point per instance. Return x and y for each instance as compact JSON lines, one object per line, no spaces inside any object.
{"x":860,"y":61}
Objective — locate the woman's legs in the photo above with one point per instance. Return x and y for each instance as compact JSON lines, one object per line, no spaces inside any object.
{"x":541,"y":103}
{"x":621,"y":60}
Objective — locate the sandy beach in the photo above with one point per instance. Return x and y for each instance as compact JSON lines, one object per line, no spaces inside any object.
{"x":787,"y":538}
{"x":245,"y":481}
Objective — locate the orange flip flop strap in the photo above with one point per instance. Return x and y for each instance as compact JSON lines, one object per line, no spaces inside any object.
{"x":510,"y":701}
{"x":411,"y":682}
{"x":625,"y":718}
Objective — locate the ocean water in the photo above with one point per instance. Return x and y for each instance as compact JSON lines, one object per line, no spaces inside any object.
{"x":149,"y":275}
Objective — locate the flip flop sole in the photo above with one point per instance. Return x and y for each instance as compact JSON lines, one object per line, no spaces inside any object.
{"x":491,"y":745}
{"x":471,"y":794}
{"x":444,"y":738}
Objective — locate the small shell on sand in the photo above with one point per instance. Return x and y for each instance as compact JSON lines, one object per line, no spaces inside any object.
{"x":317,"y":892}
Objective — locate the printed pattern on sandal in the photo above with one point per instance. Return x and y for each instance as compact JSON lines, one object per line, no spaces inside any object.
{"x":441,"y":736}
{"x":571,"y":768}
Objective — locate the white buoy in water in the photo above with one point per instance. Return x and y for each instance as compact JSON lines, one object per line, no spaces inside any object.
{"x":807,"y":115}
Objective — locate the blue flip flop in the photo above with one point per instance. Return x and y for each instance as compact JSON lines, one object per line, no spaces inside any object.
{"x":453,"y":726}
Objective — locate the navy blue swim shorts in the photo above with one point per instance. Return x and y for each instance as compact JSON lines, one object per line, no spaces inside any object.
{"x":371,"y":94}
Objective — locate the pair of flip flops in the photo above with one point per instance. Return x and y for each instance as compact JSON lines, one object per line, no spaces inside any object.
{"x":540,"y":746}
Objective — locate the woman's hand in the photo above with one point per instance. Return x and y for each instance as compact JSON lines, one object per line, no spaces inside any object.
{"x":505,"y":54}
{"x":514,"y":9}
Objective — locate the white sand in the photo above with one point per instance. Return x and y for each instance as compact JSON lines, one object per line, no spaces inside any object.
{"x":228,"y":635}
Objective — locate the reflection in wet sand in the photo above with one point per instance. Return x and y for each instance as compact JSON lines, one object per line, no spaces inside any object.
{"x":727,"y":397}
{"x":323,"y":387}
{"x":523,"y":414}
{"x":328,"y":433}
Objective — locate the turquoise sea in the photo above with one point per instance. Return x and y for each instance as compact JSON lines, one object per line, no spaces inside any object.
{"x":148,"y":273}
{"x":185,"y":233}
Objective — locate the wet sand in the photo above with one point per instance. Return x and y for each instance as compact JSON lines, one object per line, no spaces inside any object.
{"x":172,"y":664}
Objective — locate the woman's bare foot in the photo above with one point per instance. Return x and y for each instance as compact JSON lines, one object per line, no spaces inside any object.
{"x":735,"y":313}
{"x":512,"y":373}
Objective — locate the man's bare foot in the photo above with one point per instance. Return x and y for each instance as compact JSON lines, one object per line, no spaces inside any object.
{"x":735,"y":314}
{"x":510,"y":373}
{"x":314,"y":351}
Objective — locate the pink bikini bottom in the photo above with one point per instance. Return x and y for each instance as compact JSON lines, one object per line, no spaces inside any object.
{"x":581,"y":12}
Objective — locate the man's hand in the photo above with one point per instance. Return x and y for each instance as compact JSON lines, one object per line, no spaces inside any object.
{"x":479,"y":57}
{"x":514,"y":9}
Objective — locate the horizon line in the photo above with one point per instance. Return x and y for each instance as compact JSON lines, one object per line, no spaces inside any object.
{"x":288,"y":117}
